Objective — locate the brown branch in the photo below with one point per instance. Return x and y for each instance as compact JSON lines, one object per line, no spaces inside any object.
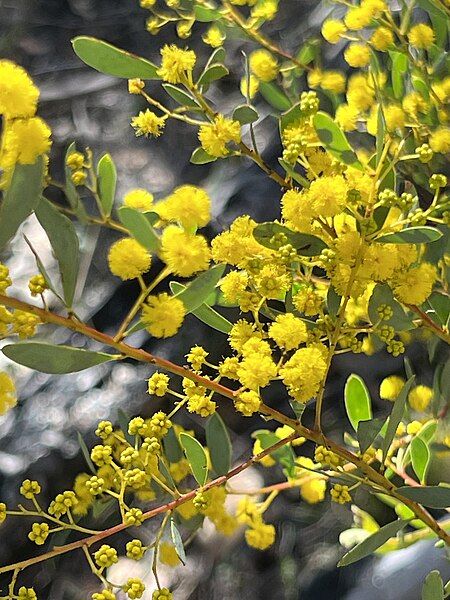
{"x":429,"y":323}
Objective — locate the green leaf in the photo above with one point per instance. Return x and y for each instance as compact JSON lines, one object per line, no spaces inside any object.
{"x":244,"y":113}
{"x":426,"y":434}
{"x":308,"y":51}
{"x":205,"y":14}
{"x":172,"y":448}
{"x":381,"y":131}
{"x":396,"y":415}
{"x":86,"y":454}
{"x":64,"y":242}
{"x":358,"y":403}
{"x":196,"y":457}
{"x":140,"y":227}
{"x":335,"y":141}
{"x":194,"y":294}
{"x":123,"y":420}
{"x":305,"y":243}
{"x":284,"y":455}
{"x":212,"y":73}
{"x":420,"y":458}
{"x":293,"y":174}
{"x":440,"y":305}
{"x":399,"y":68}
{"x":177,"y":541}
{"x":432,"y":496}
{"x":411,"y":235}
{"x":21,"y":198}
{"x":219,"y":444}
{"x":274,"y":95}
{"x":180,"y":95}
{"x":49,"y":358}
{"x":205,"y":313}
{"x":367,"y":432}
{"x":439,"y":20}
{"x":110,"y":60}
{"x":433,"y":588}
{"x":42,"y":270}
{"x":294,"y":114}
{"x":333,"y":301}
{"x":382,"y":294}
{"x":107,"y":180}
{"x":372,"y":543}
{"x":201,"y":157}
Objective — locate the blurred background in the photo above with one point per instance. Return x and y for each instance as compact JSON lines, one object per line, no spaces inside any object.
{"x":39,"y":439}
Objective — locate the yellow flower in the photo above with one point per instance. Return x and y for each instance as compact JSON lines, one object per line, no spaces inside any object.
{"x":359,"y":93}
{"x":391,"y":387}
{"x":288,"y":331}
{"x":176,"y":64}
{"x":263,"y":65}
{"x":184,"y":253}
{"x":420,"y":397}
{"x":303,"y":373}
{"x":213,"y":37}
{"x":439,"y":140}
{"x":168,"y":554}
{"x":148,"y":123}
{"x":332,"y":30}
{"x":421,"y":36}
{"x":314,"y":78}
{"x":127,"y":259}
{"x":135,"y":86}
{"x":265,"y":9}
{"x":357,"y":55}
{"x":313,"y":490}
{"x":333,"y":81}
{"x":256,"y":370}
{"x":261,"y":536}
{"x":26,"y":139}
{"x":382,"y":38}
{"x":414,"y":286}
{"x":163,"y":315}
{"x":247,"y":403}
{"x":139,"y":199}
{"x":394,"y":116}
{"x":327,"y":195}
{"x":266,"y":461}
{"x":18,"y":94}
{"x":8,"y":397}
{"x":215,"y":136}
{"x":249,"y":88}
{"x":188,"y":205}
{"x":358,"y":17}
{"x":347,"y":117}
{"x":241,"y":332}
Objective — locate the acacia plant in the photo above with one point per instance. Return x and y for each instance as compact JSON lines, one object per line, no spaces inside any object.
{"x":357,"y":262}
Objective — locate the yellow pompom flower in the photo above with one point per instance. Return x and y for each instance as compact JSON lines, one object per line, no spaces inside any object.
{"x":288,"y":331}
{"x":247,"y":403}
{"x":394,"y":116}
{"x":333,"y":81}
{"x":382,"y":38}
{"x":420,"y":397}
{"x":163,"y":315}
{"x":266,"y":461}
{"x":265,"y":9}
{"x":332,"y":30}
{"x":260,"y":536}
{"x":184,"y":253}
{"x":188,"y":205}
{"x":127,"y":259}
{"x":359,"y":93}
{"x":414,"y":286}
{"x":357,"y":55}
{"x":256,"y":370}
{"x":327,"y":195}
{"x":148,"y":123}
{"x":303,"y":373}
{"x":439,"y":140}
{"x":213,"y":37}
{"x":8,"y":397}
{"x":215,"y":136}
{"x":135,"y":86}
{"x":249,"y":88}
{"x":176,"y":64}
{"x":26,"y":139}
{"x":421,"y":36}
{"x":18,"y":94}
{"x":358,"y":17}
{"x":313,"y":490}
{"x":391,"y":387}
{"x":263,"y":65}
{"x":139,"y":199}
{"x":347,"y":117}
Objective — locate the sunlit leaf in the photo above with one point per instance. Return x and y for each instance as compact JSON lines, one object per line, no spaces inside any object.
{"x":358,"y":403}
{"x":196,"y":457}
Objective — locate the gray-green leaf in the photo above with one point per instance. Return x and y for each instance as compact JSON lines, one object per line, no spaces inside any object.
{"x":219,"y":444}
{"x":411,"y":235}
{"x":196,"y":457}
{"x":433,"y":588}
{"x":358,"y":403}
{"x":140,"y":227}
{"x":304,"y":243}
{"x":420,"y":458}
{"x":334,"y":140}
{"x":107,"y":180}
{"x":432,"y":496}
{"x":396,"y":415}
{"x":194,"y":294}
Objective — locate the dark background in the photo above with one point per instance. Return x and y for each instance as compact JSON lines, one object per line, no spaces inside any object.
{"x":39,"y":438}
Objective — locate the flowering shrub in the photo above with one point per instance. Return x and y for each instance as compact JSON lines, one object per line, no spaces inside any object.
{"x":356,"y":263}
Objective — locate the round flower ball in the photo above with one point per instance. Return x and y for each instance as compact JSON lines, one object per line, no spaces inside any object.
{"x":127,"y":259}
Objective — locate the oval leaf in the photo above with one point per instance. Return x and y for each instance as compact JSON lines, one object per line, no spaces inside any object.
{"x":140,"y":227}
{"x":180,"y":95}
{"x":382,"y":294}
{"x":219,"y":444}
{"x":172,"y":446}
{"x":245,"y":114}
{"x":194,"y":294}
{"x":305,"y":243}
{"x":213,"y":73}
{"x":201,"y":157}
{"x":64,"y":242}
{"x":334,"y":140}
{"x":49,"y":358}
{"x":177,"y":541}
{"x":358,"y":403}
{"x":196,"y":457}
{"x":274,"y":95}
{"x":432,"y":496}
{"x":420,"y":458}
{"x":433,"y":588}
{"x":367,"y":432}
{"x":372,"y":543}
{"x":110,"y":60}
{"x":107,"y":180}
{"x":411,"y":235}
{"x":21,"y":198}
